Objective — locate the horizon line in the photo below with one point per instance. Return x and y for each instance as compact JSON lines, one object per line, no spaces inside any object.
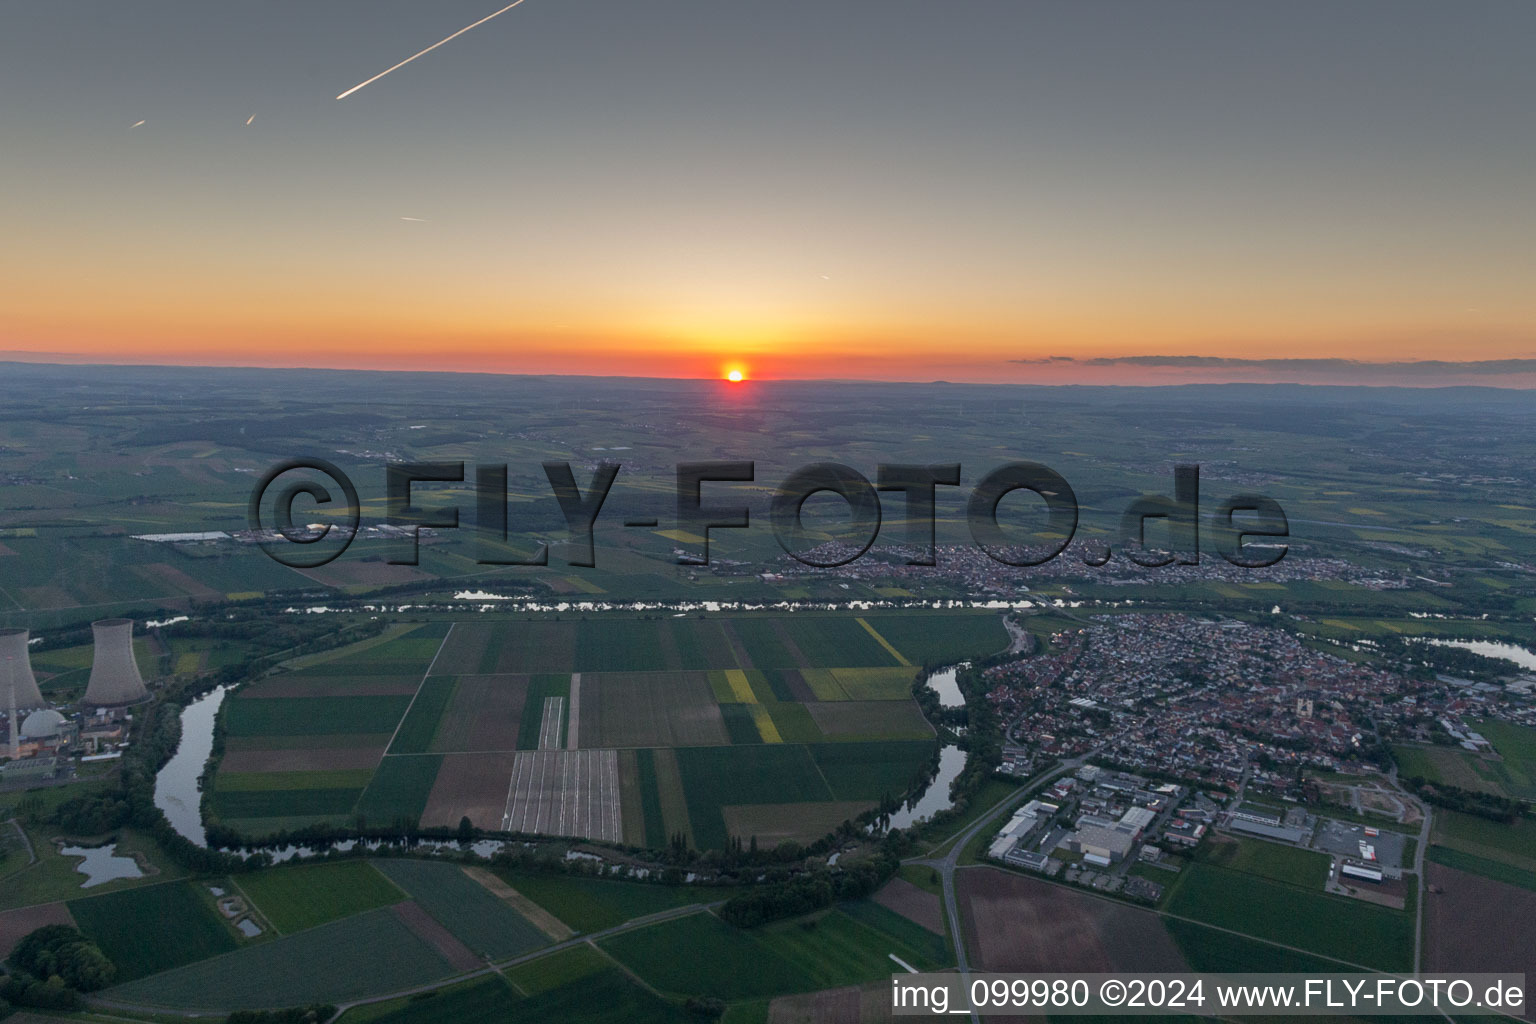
{"x":23,"y":357}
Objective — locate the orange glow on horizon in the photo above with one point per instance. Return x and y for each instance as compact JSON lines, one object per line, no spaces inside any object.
{"x":734,"y":377}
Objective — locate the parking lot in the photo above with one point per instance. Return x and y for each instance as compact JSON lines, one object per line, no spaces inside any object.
{"x":1344,"y":838}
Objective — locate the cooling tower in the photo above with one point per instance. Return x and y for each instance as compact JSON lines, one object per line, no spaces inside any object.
{"x":16,"y":670}
{"x":115,"y":680}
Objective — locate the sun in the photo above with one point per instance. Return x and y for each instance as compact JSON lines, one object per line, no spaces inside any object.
{"x":734,"y":377}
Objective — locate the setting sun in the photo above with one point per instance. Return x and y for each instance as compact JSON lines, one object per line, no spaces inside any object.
{"x":734,"y":376}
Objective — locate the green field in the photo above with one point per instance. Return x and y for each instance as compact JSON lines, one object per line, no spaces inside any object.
{"x":699,"y":643}
{"x":1513,"y":844}
{"x":1516,"y":745}
{"x":593,"y":904}
{"x":1497,"y":870}
{"x":541,"y":687}
{"x":281,"y":803}
{"x":606,"y":997}
{"x":616,"y":645}
{"x":929,"y":639}
{"x":1448,"y":766}
{"x":306,"y":895}
{"x":891,"y":683}
{"x":740,"y":724}
{"x":420,"y":724}
{"x":868,"y":771}
{"x":700,"y":954}
{"x":1510,"y":772}
{"x":1222,"y":952}
{"x":558,"y":969}
{"x":153,"y":928}
{"x":650,"y":799}
{"x":480,"y":920}
{"x":483,"y":1001}
{"x":250,"y":782}
{"x":1305,"y":868}
{"x":714,"y":777}
{"x":1334,"y":926}
{"x":935,"y":951}
{"x":360,"y":955}
{"x":312,"y":716}
{"x":399,"y":789}
{"x":764,"y":648}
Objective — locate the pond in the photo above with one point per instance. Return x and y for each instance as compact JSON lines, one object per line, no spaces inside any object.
{"x":101,"y":864}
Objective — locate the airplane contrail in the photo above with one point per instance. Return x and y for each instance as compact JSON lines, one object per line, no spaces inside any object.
{"x":429,"y":49}
{"x":139,"y":124}
{"x":249,"y":120}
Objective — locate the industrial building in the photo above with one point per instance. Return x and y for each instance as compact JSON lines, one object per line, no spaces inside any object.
{"x":1018,"y":828}
{"x":1139,"y":818}
{"x":1283,"y":833}
{"x":1101,"y":846}
{"x":115,"y":680}
{"x":1363,"y":872}
{"x":1028,"y":860}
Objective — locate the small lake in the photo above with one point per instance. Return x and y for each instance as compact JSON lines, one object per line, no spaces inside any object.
{"x":1492,"y":649}
{"x":101,"y":864}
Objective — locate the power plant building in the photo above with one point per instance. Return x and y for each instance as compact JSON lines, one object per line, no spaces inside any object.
{"x":115,"y":680}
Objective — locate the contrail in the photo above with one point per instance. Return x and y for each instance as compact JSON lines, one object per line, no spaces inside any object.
{"x":429,"y":49}
{"x":249,"y":120}
{"x":139,"y":124}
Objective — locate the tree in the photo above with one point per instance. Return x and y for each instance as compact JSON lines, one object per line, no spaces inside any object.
{"x":52,"y":963}
{"x":466,"y":830}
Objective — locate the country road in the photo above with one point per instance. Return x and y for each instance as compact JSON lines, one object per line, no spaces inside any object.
{"x":946,"y":865}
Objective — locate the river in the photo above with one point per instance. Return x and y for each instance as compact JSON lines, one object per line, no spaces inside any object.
{"x":176,"y":791}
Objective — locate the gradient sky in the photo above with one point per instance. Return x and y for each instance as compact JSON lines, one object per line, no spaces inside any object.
{"x":859,"y":189}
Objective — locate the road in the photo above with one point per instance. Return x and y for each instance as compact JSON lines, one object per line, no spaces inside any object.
{"x":1418,"y":870}
{"x":946,"y":865}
